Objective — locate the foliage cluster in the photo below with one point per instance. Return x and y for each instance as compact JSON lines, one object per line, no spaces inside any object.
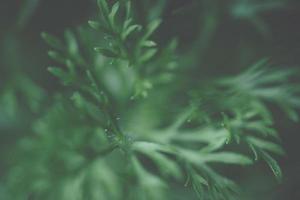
{"x":128,"y":123}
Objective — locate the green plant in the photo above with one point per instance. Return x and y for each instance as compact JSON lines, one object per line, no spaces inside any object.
{"x":123,"y":127}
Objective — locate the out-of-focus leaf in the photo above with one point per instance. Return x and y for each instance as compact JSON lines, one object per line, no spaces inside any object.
{"x":266,"y":145}
{"x":28,"y":8}
{"x":273,"y":165}
{"x":52,"y":41}
{"x":106,"y":52}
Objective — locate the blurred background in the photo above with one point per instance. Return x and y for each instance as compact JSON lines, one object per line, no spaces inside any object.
{"x":235,"y":33}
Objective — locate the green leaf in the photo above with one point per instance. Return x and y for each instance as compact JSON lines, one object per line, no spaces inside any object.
{"x":254,"y":151}
{"x":26,"y":12}
{"x":150,"y":146}
{"x":128,"y":9}
{"x":205,"y":135}
{"x":167,"y":166}
{"x":152,"y":27}
{"x":65,"y":77}
{"x":266,"y":145}
{"x":88,"y":107}
{"x":9,"y":99}
{"x":152,"y":186}
{"x":148,"y":43}
{"x":99,"y":26}
{"x":199,"y":158}
{"x":226,"y":157}
{"x":103,"y":6}
{"x":273,"y":165}
{"x":71,"y":43}
{"x":55,"y":71}
{"x":127,"y":23}
{"x":114,"y":11}
{"x":58,"y":72}
{"x":106,"y":52}
{"x":130,"y":30}
{"x":291,"y":113}
{"x":57,"y":57}
{"x":78,"y":100}
{"x":198,"y":183}
{"x":148,"y":55}
{"x":52,"y":41}
{"x":94,"y":24}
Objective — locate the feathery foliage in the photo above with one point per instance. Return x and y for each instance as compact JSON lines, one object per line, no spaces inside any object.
{"x":117,"y":129}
